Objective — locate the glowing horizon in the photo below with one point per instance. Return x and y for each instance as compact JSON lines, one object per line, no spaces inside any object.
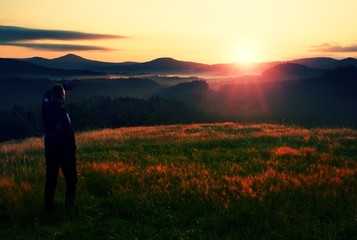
{"x":206,"y":31}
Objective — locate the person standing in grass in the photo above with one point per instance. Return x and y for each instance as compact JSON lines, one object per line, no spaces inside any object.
{"x":60,"y":147}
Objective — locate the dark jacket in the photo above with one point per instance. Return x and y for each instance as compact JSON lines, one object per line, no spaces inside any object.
{"x":59,"y":134}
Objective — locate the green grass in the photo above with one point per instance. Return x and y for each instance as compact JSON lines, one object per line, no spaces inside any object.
{"x":200,"y":181}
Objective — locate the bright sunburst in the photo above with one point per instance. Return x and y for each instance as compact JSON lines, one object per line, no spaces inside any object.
{"x":246,"y":54}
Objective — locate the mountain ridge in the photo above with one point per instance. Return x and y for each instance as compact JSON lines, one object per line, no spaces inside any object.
{"x":70,"y":62}
{"x":168,"y":65}
{"x":12,"y":67}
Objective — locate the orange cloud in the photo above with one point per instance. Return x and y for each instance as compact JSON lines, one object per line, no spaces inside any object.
{"x":326,"y":47}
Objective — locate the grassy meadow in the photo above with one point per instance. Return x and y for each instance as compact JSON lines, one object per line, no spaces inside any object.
{"x":199,"y":181}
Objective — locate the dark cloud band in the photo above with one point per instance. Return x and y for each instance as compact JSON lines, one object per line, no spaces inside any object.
{"x":58,"y":47}
{"x":23,"y":37}
{"x":15,"y":34}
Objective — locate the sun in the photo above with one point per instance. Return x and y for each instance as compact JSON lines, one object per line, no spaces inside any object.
{"x":246,"y":54}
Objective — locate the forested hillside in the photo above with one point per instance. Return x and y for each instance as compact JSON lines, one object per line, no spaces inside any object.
{"x":328,"y":99}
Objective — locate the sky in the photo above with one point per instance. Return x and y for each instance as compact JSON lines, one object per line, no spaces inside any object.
{"x":206,"y":31}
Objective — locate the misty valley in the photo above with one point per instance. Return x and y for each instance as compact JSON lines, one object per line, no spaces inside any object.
{"x":310,"y":93}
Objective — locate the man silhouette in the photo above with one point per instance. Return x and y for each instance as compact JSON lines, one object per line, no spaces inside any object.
{"x":60,"y":147}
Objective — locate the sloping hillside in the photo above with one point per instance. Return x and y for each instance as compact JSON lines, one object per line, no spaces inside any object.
{"x":214,"y":181}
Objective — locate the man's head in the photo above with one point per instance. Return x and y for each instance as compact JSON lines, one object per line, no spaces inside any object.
{"x":58,"y":93}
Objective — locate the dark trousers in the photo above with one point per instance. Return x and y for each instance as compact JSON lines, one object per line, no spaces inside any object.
{"x":55,"y":160}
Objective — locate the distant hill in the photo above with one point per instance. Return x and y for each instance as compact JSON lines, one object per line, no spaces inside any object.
{"x":168,"y":65}
{"x":347,"y":62}
{"x":289,"y":71}
{"x":11,"y":67}
{"x":71,"y":61}
{"x":160,"y":65}
{"x":320,"y":62}
{"x":326,"y":63}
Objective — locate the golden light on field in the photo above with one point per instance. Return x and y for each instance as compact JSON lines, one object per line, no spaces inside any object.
{"x":189,"y":180}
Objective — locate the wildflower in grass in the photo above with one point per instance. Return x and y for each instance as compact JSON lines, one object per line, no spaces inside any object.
{"x":251,"y":151}
{"x":25,"y":186}
{"x":12,"y":194}
{"x":278,"y":131}
{"x":291,"y":152}
{"x":158,"y":169}
{"x":308,"y":151}
{"x":107,"y":168}
{"x":6,"y":189}
{"x":22,"y":146}
{"x":285,"y":151}
{"x":348,"y":138}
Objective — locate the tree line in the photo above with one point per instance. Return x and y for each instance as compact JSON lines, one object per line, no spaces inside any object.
{"x":104,"y":112}
{"x":17,"y":123}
